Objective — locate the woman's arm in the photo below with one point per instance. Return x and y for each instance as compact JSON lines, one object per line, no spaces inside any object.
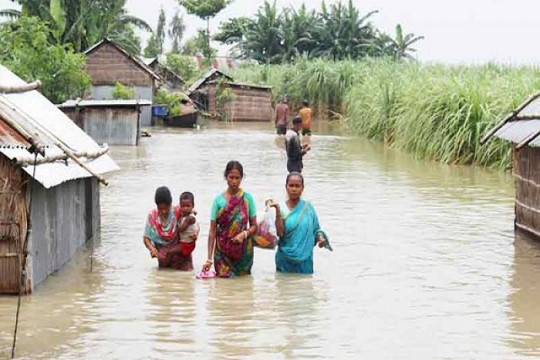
{"x":150,"y":247}
{"x":280,"y":226}
{"x":211,"y":245}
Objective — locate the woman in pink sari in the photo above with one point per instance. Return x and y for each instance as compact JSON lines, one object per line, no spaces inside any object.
{"x":233,"y":223}
{"x":161,"y":233}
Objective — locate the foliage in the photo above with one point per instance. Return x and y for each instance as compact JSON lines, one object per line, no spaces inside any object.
{"x":176,"y":32}
{"x":160,"y":32}
{"x":224,"y":96}
{"x":197,"y":44}
{"x":205,"y":9}
{"x":82,"y":23}
{"x":337,"y":32}
{"x":183,"y":66}
{"x":121,"y":92}
{"x":25,"y":49}
{"x":434,"y":111}
{"x":152,"y":47}
{"x":173,"y":101}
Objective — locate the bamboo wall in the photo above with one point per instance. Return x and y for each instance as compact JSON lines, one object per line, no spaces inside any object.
{"x":526,"y":163}
{"x":13,"y":224}
{"x":249,"y":104}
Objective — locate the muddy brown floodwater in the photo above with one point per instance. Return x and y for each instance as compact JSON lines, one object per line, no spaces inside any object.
{"x":424,"y":267}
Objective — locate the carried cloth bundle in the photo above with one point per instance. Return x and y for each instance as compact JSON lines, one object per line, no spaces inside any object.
{"x":266,"y":237}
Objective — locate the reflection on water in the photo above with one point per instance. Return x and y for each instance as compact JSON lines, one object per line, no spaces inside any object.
{"x":524,"y":297}
{"x":424,"y":263}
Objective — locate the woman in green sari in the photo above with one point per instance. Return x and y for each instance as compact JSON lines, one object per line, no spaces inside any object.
{"x":233,"y":222}
{"x":298,"y":230}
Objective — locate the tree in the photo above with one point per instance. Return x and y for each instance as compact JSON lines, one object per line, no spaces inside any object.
{"x":197,"y":44}
{"x":82,"y":23}
{"x":25,"y":48}
{"x":400,"y":47}
{"x":182,"y":65}
{"x":176,"y":32}
{"x":160,"y":32}
{"x":263,"y":38}
{"x":232,"y":33}
{"x":152,"y":47}
{"x":205,"y":9}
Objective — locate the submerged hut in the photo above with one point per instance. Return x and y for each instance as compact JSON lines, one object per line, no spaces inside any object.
{"x":50,"y":172}
{"x":244,"y":102}
{"x":107,"y":63}
{"x":522,"y":129}
{"x":113,"y":122}
{"x":217,"y":93}
{"x":172,"y":81}
{"x":198,"y":91}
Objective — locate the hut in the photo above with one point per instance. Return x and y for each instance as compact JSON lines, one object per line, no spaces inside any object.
{"x":107,"y":63}
{"x":172,"y":81}
{"x":522,"y":129}
{"x":244,"y":102}
{"x":113,"y":122}
{"x":198,"y":91}
{"x":49,"y":190}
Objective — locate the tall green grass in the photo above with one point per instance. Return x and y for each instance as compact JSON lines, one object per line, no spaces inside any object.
{"x":434,"y":111}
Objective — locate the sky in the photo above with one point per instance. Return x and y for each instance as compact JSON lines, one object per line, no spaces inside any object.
{"x":456,"y":31}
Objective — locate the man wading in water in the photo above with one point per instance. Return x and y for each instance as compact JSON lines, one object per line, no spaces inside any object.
{"x":281,"y":115}
{"x":295,"y":150}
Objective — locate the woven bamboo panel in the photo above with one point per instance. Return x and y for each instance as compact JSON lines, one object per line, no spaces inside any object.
{"x":526,"y":163}
{"x":13,"y":223}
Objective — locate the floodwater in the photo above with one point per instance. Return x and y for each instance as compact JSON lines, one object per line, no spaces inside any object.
{"x":425,"y":264}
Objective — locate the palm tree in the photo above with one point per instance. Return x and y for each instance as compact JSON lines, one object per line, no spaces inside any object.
{"x":264,"y":38}
{"x":401,"y":45}
{"x":176,"y":31}
{"x":342,"y":33}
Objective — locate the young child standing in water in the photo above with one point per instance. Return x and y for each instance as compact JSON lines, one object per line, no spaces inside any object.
{"x":188,"y":227}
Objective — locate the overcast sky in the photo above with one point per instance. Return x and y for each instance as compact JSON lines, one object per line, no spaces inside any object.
{"x":455,"y":30}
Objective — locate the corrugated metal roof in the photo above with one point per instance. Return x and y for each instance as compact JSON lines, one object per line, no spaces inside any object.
{"x":522,"y":126}
{"x":9,"y":138}
{"x":104,"y":103}
{"x":40,"y":118}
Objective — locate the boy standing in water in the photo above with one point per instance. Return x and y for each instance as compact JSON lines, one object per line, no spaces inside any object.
{"x":295,"y":150}
{"x":306,"y":113}
{"x":281,"y":115}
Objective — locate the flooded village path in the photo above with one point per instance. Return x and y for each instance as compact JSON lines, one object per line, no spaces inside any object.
{"x":424,"y":267}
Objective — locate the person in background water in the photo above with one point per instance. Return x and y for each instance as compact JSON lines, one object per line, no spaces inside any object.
{"x":161,"y":231}
{"x":233,"y":222}
{"x":281,"y":116}
{"x":298,"y":229}
{"x":305,"y":114}
{"x":293,"y":146}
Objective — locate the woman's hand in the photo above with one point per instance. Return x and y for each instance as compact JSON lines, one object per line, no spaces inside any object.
{"x":320,"y":241}
{"x":154,"y":252}
{"x":239,"y":238}
{"x":207,"y":265}
{"x":194,"y":236}
{"x":273,"y":203}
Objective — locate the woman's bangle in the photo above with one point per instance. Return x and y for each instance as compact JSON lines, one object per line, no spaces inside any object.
{"x":246,"y":233}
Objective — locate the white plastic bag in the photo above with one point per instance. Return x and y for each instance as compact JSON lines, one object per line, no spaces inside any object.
{"x":266,"y":237}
